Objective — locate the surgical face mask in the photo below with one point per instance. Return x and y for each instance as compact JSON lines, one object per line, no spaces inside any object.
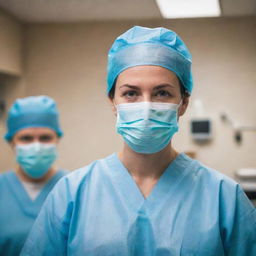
{"x":36,"y":158}
{"x":147,"y":127}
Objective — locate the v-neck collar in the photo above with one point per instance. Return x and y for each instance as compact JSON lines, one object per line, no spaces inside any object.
{"x":165,"y":186}
{"x":124,"y":182}
{"x":31,"y":207}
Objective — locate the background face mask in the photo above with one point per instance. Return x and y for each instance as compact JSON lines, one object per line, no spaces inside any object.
{"x":147,"y":127}
{"x":36,"y":158}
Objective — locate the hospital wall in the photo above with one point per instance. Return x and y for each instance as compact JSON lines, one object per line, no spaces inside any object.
{"x":12,"y":83}
{"x":11,"y":43}
{"x":68,"y":62}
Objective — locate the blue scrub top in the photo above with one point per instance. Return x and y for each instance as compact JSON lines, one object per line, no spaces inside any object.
{"x":99,"y":211}
{"x":18,"y":211}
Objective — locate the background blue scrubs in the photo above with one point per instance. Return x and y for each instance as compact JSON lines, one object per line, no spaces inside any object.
{"x":18,"y":211}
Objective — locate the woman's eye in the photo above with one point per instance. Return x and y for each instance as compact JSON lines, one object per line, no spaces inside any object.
{"x":130,"y":94}
{"x":45,"y":138}
{"x":163,"y":93}
{"x":26,"y":138}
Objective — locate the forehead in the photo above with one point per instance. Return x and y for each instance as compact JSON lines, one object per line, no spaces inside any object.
{"x":154,"y":75}
{"x":35,"y":131}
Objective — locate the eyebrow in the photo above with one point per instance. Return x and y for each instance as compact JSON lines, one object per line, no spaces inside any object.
{"x":25,"y":135}
{"x":130,"y":86}
{"x":29,"y":135}
{"x":161,"y":86}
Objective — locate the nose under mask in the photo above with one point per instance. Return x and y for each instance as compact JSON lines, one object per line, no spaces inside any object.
{"x":147,"y":127}
{"x":36,"y":158}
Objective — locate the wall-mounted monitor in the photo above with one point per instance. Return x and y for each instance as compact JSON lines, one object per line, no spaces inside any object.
{"x":201,"y":129}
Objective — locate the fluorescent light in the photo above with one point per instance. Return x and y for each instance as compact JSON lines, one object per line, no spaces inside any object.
{"x":189,"y":8}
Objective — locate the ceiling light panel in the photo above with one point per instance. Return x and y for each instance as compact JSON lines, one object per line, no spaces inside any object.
{"x":189,"y":8}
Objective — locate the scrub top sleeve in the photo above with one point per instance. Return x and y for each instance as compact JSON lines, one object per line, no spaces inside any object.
{"x":242,"y":238}
{"x":50,"y":230}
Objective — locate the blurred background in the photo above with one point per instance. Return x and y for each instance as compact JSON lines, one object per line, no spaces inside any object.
{"x":59,"y":48}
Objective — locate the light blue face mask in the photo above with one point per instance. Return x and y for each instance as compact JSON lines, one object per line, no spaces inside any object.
{"x":147,"y":127}
{"x":36,"y":158}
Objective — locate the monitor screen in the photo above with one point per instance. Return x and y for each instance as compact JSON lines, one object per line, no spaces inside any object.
{"x":199,"y":126}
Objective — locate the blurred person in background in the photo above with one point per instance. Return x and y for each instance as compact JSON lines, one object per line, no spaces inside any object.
{"x":149,"y":199}
{"x":33,"y":132}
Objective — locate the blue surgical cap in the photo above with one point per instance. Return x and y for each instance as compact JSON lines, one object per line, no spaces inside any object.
{"x":150,"y":46}
{"x":34,"y":111}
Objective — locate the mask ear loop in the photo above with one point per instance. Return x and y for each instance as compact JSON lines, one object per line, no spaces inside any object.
{"x":115,"y":107}
{"x":181,"y":101}
{"x":178,"y":107}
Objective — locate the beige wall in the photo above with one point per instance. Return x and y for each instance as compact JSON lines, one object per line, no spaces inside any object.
{"x":68,"y":62}
{"x":12,"y":84}
{"x":11,"y":44}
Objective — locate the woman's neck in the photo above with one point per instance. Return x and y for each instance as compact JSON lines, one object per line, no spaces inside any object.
{"x":147,"y":165}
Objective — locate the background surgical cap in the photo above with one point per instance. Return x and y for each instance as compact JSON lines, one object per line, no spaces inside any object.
{"x":34,"y":111}
{"x":150,"y":46}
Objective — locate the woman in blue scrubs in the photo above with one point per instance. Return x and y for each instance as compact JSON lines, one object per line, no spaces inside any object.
{"x":33,"y":132}
{"x":148,"y":199}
